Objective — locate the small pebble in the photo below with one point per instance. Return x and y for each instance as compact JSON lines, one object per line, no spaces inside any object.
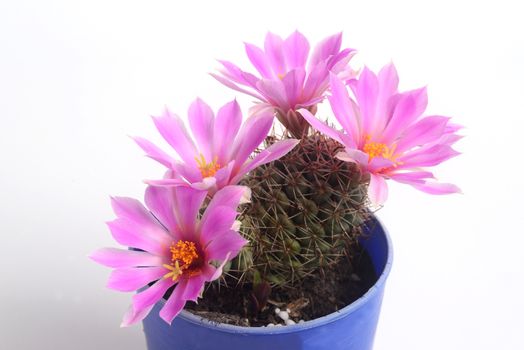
{"x":278,"y":325}
{"x":277,"y":310}
{"x":290,"y":322}
{"x":288,"y":311}
{"x":283,"y":315}
{"x":301,"y":321}
{"x":270,"y":325}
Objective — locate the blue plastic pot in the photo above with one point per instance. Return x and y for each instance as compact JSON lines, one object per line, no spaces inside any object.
{"x":351,"y":328}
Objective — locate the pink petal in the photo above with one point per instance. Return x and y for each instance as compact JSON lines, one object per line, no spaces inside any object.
{"x":274,"y":92}
{"x":378,"y":189}
{"x":252,"y":133}
{"x":412,"y":177}
{"x":194,"y":287}
{"x":338,"y":64}
{"x":452,"y":127}
{"x":344,"y":156}
{"x":366,"y":95}
{"x":117,"y":258}
{"x":232,"y":72}
{"x":152,"y":294}
{"x":437,"y":188}
{"x":449,"y":139}
{"x":131,"y":317}
{"x":154,"y":152}
{"x":207,"y":184}
{"x":317,"y":82}
{"x":215,"y":222}
{"x":160,"y":201}
{"x":388,"y":80}
{"x":345,"y":109}
{"x":259,"y":59}
{"x":134,"y":211}
{"x":388,"y":85}
{"x":309,"y":102}
{"x":425,"y":130}
{"x":279,"y":149}
{"x":273,"y":47}
{"x":251,"y":80}
{"x":227,"y":82}
{"x":202,"y":120}
{"x":174,"y":304}
{"x":427,"y":156}
{"x":320,"y":126}
{"x":293,"y":84}
{"x":354,"y":156}
{"x":167,"y":182}
{"x":318,"y":79}
{"x":132,"y":279}
{"x":227,"y":124}
{"x":202,"y":184}
{"x":273,"y":152}
{"x":259,"y":108}
{"x":218,"y":271}
{"x":378,"y":164}
{"x":187,"y":204}
{"x":229,"y":196}
{"x":189,"y":172}
{"x":127,"y":233}
{"x":228,"y":243}
{"x":174,"y":132}
{"x":223,"y":175}
{"x":409,"y":107}
{"x":296,"y":50}
{"x":328,"y":47}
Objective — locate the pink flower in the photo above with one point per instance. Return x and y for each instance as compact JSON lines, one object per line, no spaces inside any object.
{"x":285,"y":82}
{"x":221,"y":154}
{"x":386,"y":135}
{"x":174,"y":247}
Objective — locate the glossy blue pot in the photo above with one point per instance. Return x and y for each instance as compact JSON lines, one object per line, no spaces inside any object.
{"x":351,"y":328}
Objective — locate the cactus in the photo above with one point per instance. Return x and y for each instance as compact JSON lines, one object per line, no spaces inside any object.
{"x":306,"y":213}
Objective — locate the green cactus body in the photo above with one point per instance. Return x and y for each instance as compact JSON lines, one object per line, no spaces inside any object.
{"x":305,"y":213}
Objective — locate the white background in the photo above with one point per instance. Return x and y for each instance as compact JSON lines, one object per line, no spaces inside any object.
{"x":77,"y":77}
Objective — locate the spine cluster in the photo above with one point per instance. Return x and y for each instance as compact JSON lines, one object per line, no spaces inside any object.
{"x":306,"y":213}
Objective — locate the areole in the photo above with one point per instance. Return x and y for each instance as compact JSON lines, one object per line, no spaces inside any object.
{"x":351,"y":328}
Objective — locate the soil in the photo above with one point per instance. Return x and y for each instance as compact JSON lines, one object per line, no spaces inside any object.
{"x":329,"y":291}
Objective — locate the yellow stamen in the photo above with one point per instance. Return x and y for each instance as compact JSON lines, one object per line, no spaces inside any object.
{"x":281,"y":76}
{"x":184,"y":251}
{"x":378,"y":149}
{"x":176,"y":271}
{"x":207,"y":169}
{"x":183,"y":254}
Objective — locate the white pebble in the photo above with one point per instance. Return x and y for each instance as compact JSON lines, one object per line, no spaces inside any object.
{"x":283,"y":315}
{"x":301,"y":321}
{"x":278,"y":325}
{"x":288,"y":311}
{"x":290,"y":322}
{"x":270,"y":325}
{"x":277,"y":310}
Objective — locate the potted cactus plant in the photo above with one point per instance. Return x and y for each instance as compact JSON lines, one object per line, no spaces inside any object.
{"x":267,"y":237}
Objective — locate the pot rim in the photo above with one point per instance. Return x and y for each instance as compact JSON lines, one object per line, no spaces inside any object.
{"x":317,"y":322}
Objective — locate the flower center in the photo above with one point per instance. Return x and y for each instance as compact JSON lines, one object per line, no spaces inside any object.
{"x":207,"y":169}
{"x":184,"y":251}
{"x":377,"y":149}
{"x":184,"y":256}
